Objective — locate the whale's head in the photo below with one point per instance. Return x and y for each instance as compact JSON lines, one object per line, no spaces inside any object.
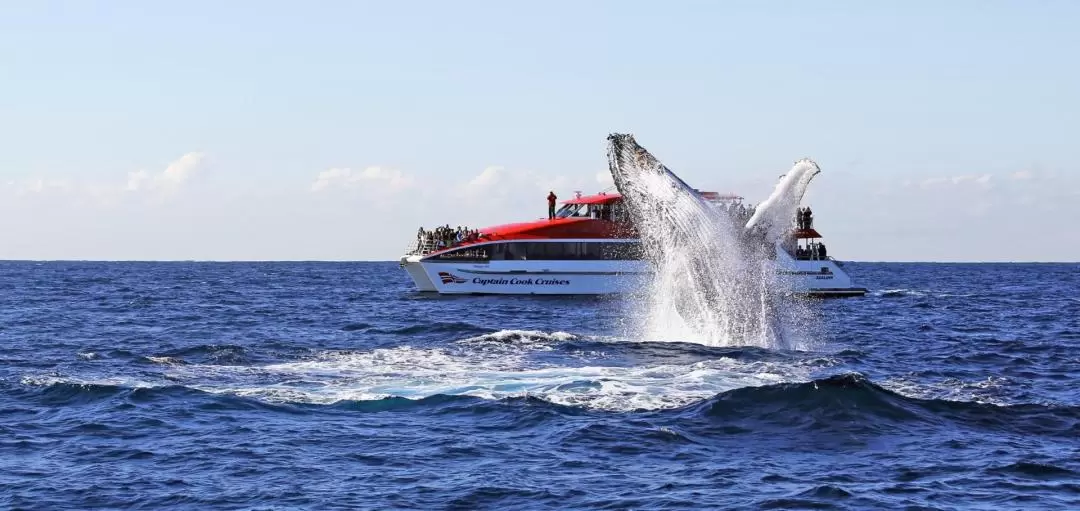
{"x":638,"y":174}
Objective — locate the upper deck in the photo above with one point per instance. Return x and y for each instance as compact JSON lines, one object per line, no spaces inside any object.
{"x":592,"y":217}
{"x":601,"y":216}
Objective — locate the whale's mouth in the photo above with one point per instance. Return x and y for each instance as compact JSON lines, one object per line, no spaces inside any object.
{"x":714,"y":281}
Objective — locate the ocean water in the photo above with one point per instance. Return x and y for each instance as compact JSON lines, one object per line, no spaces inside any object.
{"x":334,"y":386}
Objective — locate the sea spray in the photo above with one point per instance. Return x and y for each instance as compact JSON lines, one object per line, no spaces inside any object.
{"x":715,"y":281}
{"x":773,"y":216}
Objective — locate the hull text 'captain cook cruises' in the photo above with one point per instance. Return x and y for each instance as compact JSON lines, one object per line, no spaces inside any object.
{"x":588,"y":247}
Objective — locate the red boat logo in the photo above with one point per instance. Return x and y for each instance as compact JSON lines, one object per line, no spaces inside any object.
{"x":450,"y":278}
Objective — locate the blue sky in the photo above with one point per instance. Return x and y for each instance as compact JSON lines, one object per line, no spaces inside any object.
{"x":265,"y":130}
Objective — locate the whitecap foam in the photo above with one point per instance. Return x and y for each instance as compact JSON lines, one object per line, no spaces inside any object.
{"x":493,"y":366}
{"x":898,"y":292}
{"x":518,"y":339}
{"x":165,"y":360}
{"x":112,"y":381}
{"x":991,"y":390}
{"x":499,"y":365}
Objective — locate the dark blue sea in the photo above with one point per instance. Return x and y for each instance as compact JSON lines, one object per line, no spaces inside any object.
{"x":335,"y":386}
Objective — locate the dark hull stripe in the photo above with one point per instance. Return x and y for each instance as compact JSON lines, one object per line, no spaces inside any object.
{"x":527,"y":272}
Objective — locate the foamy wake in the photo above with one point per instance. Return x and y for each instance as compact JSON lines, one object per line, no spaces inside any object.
{"x":509,"y":363}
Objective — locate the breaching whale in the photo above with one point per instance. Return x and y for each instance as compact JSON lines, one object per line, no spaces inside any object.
{"x":714,"y":278}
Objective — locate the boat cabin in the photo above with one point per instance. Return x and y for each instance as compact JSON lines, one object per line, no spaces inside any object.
{"x":805,"y":243}
{"x":602,"y":206}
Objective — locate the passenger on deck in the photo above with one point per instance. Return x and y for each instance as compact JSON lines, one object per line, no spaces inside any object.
{"x":809,"y":218}
{"x":821,"y":251}
{"x":551,"y":204}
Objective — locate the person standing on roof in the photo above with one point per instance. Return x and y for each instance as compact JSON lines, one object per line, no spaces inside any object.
{"x":551,"y":204}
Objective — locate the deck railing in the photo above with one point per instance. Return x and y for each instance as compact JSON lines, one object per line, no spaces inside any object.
{"x":423,"y":246}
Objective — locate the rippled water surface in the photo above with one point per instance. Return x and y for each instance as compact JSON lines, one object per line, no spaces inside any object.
{"x":320,"y":385}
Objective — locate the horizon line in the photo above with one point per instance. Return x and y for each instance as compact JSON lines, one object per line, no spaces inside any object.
{"x":395,"y":260}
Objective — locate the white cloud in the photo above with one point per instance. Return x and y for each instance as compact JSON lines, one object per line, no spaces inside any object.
{"x":155,"y":185}
{"x":172,"y":178}
{"x":981,"y":180}
{"x":1022,"y":175}
{"x":382,"y":179}
{"x":485,"y":180}
{"x":180,"y":170}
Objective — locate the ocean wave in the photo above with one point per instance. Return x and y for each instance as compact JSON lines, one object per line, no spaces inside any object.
{"x":58,"y":390}
{"x":1035,"y":470}
{"x":352,"y":327}
{"x":849,"y":402}
{"x":852,"y":400}
{"x":453,"y":327}
{"x":216,"y":354}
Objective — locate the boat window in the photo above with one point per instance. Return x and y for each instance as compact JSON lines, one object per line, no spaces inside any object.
{"x":609,"y":212}
{"x":515,"y":252}
{"x":571,"y":210}
{"x":564,"y":251}
{"x":605,"y":212}
{"x":481,"y":253}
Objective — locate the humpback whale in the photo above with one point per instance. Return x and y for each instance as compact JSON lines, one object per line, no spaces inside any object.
{"x":714,"y":279}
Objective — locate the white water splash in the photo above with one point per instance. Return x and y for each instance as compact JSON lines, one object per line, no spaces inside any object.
{"x":509,"y":363}
{"x":715,"y":280}
{"x":775,"y":214}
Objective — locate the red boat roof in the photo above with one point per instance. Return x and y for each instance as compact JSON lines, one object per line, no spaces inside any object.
{"x":558,"y":228}
{"x":600,"y":198}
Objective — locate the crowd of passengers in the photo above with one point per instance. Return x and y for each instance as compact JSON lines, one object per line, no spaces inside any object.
{"x":445,"y":236}
{"x":812,"y":251}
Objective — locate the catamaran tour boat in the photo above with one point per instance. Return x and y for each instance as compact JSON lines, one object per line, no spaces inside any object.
{"x":589,"y":248}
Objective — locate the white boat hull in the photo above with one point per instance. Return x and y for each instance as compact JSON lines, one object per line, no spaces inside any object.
{"x":824,"y":278}
{"x":819,"y":277}
{"x":526,"y":277}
